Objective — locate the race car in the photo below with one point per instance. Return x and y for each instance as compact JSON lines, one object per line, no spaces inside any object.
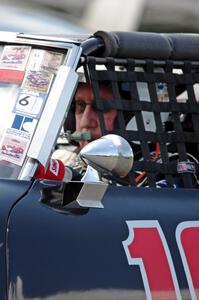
{"x":129,"y":227}
{"x":12,"y":150}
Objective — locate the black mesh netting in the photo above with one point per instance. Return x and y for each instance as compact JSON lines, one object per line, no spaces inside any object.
{"x":157,"y":112}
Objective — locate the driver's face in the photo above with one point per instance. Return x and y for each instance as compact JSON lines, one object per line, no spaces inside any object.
{"x":85,"y":114}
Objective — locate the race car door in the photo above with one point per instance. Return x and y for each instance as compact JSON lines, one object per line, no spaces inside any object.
{"x":10,"y":192}
{"x":142,"y":245}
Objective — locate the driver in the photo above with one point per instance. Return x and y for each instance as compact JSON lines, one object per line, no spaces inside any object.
{"x":87,"y":120}
{"x":86,"y":116}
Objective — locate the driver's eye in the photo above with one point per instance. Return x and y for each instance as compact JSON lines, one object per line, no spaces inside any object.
{"x":80,"y":106}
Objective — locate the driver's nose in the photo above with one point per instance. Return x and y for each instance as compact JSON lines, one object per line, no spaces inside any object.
{"x":89,"y":117}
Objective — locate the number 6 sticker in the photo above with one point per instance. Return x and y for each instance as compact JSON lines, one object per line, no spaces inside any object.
{"x":30,"y":104}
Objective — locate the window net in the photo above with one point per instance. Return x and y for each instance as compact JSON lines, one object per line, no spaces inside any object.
{"x":157,"y":112}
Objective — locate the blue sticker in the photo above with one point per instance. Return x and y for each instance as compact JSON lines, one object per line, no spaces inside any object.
{"x":23,"y":123}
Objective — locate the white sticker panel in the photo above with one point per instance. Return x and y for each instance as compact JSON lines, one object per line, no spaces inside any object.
{"x":14,"y":57}
{"x":16,"y":139}
{"x":30,"y":103}
{"x":13,"y":149}
{"x":44,"y":60}
{"x":37,"y":81}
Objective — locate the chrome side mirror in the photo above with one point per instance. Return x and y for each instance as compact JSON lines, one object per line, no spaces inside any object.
{"x":110,"y":153}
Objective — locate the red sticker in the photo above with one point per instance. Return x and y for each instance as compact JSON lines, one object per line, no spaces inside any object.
{"x":11,"y":76}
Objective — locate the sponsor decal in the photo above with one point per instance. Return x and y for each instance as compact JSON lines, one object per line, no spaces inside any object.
{"x":18,"y":133}
{"x":30,"y":103}
{"x":14,"y":57}
{"x":13,"y":149}
{"x":54,"y":166}
{"x":45,"y":60}
{"x":162,"y":92}
{"x":186,"y":167}
{"x":23,"y":123}
{"x":38,"y":81}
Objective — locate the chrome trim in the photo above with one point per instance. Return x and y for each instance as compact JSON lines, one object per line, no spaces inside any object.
{"x":32,"y":42}
{"x":73,"y":56}
{"x":38,"y":40}
{"x":91,"y":175}
{"x":110,"y":153}
{"x":91,"y":194}
{"x":75,"y":39}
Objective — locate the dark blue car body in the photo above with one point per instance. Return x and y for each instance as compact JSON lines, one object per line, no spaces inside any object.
{"x":144,"y":242}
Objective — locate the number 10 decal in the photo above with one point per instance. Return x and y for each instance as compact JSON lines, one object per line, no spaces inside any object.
{"x":187,"y":236}
{"x":147,"y":247}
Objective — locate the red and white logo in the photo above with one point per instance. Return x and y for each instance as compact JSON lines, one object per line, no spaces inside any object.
{"x":147,"y":247}
{"x":54,"y":166}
